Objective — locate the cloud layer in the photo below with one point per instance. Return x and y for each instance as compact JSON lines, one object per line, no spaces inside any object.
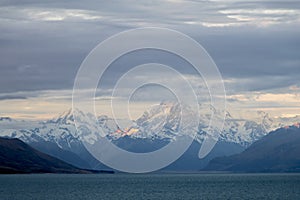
{"x":255,"y":44}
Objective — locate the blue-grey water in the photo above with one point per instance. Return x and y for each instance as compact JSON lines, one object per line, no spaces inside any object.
{"x":150,"y":186}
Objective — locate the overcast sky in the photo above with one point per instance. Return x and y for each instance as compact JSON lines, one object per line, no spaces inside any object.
{"x":255,"y":44}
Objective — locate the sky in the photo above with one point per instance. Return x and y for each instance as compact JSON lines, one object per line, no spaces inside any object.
{"x":255,"y":44}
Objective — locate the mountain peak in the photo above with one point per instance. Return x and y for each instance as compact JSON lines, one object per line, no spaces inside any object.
{"x":168,"y":103}
{"x":63,"y":118}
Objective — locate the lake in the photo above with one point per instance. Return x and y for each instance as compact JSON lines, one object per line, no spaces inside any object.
{"x":150,"y":186}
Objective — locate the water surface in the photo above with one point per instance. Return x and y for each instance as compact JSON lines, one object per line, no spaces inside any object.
{"x":150,"y":186}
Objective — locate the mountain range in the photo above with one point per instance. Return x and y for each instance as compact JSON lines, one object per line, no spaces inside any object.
{"x":279,"y":151}
{"x":60,"y":138}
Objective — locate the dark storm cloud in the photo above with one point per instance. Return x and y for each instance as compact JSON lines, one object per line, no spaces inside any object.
{"x":252,"y":53}
{"x":42,"y":43}
{"x":44,"y":55}
{"x":258,"y":59}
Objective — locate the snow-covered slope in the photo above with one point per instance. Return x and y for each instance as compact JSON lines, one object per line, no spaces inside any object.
{"x":57,"y":137}
{"x":160,"y":122}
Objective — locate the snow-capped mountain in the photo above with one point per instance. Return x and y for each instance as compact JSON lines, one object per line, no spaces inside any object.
{"x":56,"y":137}
{"x":62,"y":138}
{"x":164,"y":121}
{"x":160,"y":121}
{"x":245,"y":132}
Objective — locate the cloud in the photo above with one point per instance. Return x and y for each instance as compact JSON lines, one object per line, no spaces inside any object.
{"x":60,"y":15}
{"x":10,"y":97}
{"x":255,"y":44}
{"x":262,"y":16}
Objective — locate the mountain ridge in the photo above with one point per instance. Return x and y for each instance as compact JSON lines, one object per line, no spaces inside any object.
{"x":18,"y":157}
{"x":279,"y":151}
{"x":60,"y":137}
